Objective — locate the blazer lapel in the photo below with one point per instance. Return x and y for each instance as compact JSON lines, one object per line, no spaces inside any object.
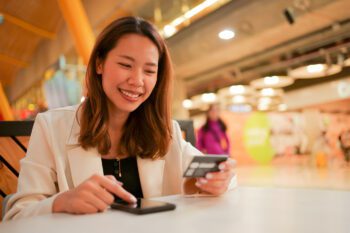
{"x":83,"y":163}
{"x":151,"y":176}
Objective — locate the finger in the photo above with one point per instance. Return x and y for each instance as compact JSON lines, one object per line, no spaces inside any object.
{"x":93,"y":186}
{"x":211,"y":183}
{"x":81,"y":207}
{"x":95,"y":201}
{"x":214,"y":190}
{"x":104,"y":195}
{"x":229,"y":164}
{"x":112,"y":178}
{"x":116,"y":189}
{"x":223,"y":175}
{"x":85,"y":208}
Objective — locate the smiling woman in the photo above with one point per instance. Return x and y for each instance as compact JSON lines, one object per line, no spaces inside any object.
{"x":120,"y":142}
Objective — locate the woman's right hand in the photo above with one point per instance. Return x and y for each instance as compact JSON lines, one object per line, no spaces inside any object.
{"x":93,"y":195}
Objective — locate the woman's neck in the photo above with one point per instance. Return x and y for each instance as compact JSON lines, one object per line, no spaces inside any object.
{"x":116,"y":122}
{"x":116,"y":119}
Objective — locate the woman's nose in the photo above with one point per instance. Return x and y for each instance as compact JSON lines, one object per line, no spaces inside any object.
{"x":136,"y":78}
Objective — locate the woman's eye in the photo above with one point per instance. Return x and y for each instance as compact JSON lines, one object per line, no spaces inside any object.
{"x":125,"y":65}
{"x":150,"y":71}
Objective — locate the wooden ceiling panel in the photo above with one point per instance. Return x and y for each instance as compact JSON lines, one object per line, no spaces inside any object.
{"x":16,"y":42}
{"x":6,"y":73}
{"x":43,"y":14}
{"x":25,"y":25}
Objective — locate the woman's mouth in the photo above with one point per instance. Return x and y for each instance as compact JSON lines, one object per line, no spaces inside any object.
{"x":130,"y":95}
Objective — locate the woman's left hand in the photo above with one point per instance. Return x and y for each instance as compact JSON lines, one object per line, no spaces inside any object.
{"x":217,"y":183}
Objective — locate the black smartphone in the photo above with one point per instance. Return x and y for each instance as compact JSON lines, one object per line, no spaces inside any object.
{"x":143,"y":206}
{"x":202,"y":164}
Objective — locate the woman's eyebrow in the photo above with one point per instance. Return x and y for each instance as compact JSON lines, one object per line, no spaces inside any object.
{"x":126,"y":57}
{"x":133,"y":60}
{"x":151,"y":64}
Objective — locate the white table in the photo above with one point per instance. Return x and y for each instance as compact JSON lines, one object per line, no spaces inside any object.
{"x":245,"y":209}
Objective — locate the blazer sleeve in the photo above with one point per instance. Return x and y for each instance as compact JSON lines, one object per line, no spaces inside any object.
{"x":186,"y":148}
{"x":37,"y":179}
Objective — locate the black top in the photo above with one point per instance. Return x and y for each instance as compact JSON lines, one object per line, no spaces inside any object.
{"x":129,"y":174}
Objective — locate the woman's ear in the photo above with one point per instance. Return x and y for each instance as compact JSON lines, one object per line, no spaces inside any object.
{"x":99,"y":66}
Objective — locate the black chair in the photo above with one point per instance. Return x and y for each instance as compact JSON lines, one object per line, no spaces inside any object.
{"x":187,"y":128}
{"x":10,"y":136}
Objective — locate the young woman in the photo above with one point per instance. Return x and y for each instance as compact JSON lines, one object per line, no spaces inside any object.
{"x":120,"y":142}
{"x":212,"y":137}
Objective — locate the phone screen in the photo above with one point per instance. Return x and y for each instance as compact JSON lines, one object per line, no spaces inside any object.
{"x":143,"y":206}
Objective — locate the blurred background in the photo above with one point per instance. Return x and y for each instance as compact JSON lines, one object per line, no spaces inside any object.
{"x":279,"y":70}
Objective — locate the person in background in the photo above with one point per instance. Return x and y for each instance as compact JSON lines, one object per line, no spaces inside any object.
{"x":120,"y":142}
{"x":212,"y":137}
{"x":344,"y":141}
{"x":320,"y":156}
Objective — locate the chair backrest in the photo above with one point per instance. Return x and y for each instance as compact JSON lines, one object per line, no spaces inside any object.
{"x":188,"y":131}
{"x":14,"y":138}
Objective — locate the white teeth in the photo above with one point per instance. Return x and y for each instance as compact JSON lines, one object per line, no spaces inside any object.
{"x":130,"y":94}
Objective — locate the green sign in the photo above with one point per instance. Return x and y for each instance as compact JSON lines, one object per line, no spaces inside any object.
{"x":257,"y":138}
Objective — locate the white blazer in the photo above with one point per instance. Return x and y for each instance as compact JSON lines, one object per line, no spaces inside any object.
{"x":56,"y":163}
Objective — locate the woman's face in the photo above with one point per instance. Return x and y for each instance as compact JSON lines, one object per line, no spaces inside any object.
{"x":213,"y":113}
{"x":129,"y":72}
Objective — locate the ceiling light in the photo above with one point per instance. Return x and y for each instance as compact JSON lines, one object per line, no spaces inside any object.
{"x":265,"y":101}
{"x":188,"y":15}
{"x":272,"y":82}
{"x":238,"y":99}
{"x":187,"y":103}
{"x":316,"y":68}
{"x":169,"y":30}
{"x":226,"y":34}
{"x":315,"y":71}
{"x":176,"y":22}
{"x":199,"y":8}
{"x":208,"y":97}
{"x":271,"y":92}
{"x":197,"y":103}
{"x":236,"y":90}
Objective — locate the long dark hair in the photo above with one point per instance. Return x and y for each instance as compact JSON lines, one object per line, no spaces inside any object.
{"x":206,"y":127}
{"x":149,"y":139}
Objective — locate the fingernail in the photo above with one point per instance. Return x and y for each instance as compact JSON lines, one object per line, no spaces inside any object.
{"x":222,"y":166}
{"x":208,"y":176}
{"x":203,"y":181}
{"x":133,"y":199}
